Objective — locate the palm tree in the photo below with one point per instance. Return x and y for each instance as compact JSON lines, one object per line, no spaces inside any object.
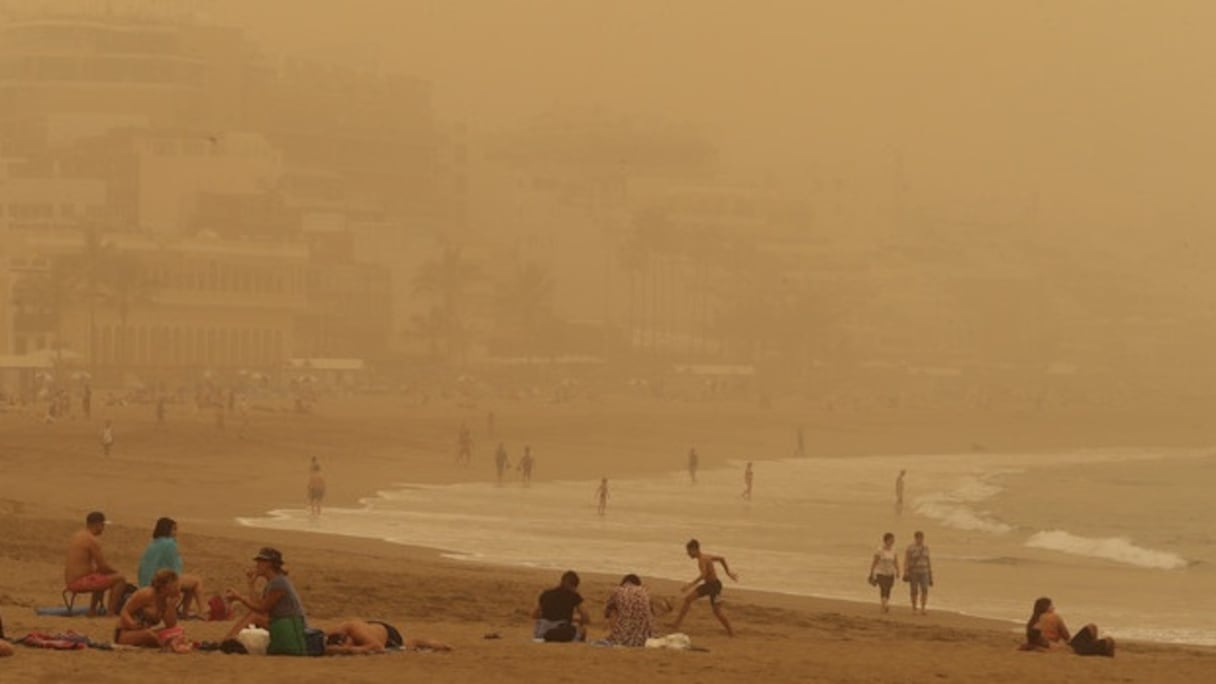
{"x":447,"y":280}
{"x":525,"y":305}
{"x":126,"y":284}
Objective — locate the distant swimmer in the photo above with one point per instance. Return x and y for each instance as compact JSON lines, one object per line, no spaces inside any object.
{"x":316,"y":488}
{"x":694,"y":462}
{"x":706,"y":584}
{"x":501,"y":461}
{"x":747,"y":482}
{"x":601,"y":497}
{"x":525,"y":465}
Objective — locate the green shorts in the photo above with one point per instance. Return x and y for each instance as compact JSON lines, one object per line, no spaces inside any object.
{"x":287,"y":636}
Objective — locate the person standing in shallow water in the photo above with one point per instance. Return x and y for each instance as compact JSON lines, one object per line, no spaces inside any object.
{"x":107,"y":438}
{"x":501,"y":461}
{"x":694,"y":462}
{"x":747,"y":482}
{"x":316,"y":488}
{"x":601,"y":496}
{"x":899,"y":493}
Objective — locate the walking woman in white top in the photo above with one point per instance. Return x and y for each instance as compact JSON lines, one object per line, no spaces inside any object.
{"x":884,"y":569}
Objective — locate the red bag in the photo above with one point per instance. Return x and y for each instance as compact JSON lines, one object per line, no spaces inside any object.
{"x":219,"y":608}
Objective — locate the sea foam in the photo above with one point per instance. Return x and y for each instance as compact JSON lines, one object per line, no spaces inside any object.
{"x":1117,"y":549}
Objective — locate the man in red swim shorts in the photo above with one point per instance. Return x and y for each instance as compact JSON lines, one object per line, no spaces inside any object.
{"x":86,"y":570}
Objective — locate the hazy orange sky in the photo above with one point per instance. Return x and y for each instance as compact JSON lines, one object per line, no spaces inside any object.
{"x":1094,"y":111}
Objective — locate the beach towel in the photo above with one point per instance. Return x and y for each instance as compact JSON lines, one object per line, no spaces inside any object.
{"x":63,"y":641}
{"x":677,"y":641}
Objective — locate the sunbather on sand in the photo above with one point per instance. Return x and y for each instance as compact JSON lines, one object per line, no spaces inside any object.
{"x":1046,"y":629}
{"x":372,"y":636}
{"x":149,"y":617}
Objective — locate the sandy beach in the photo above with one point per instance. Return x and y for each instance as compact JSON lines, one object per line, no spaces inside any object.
{"x":205,"y":478}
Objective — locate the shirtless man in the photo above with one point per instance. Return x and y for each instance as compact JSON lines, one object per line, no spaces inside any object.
{"x":747,"y":482}
{"x":354,"y":637}
{"x":694,"y":461}
{"x":706,"y":584}
{"x":86,"y":570}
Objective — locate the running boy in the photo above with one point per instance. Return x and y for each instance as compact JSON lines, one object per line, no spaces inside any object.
{"x":706,"y":584}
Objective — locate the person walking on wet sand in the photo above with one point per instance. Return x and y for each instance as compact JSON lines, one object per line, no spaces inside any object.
{"x":464,"y":446}
{"x":501,"y":461}
{"x":918,"y":570}
{"x":525,"y":465}
{"x":899,"y":493}
{"x":601,"y":497}
{"x":694,"y":461}
{"x":107,"y":438}
{"x":706,"y":584}
{"x":884,"y":568}
{"x":747,"y":482}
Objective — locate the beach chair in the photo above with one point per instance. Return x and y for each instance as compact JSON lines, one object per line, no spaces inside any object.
{"x":69,"y":600}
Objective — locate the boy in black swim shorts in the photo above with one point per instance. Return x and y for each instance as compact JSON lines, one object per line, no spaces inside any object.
{"x":706,"y":584}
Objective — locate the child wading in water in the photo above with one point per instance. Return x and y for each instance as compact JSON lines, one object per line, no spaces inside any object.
{"x":706,"y":584}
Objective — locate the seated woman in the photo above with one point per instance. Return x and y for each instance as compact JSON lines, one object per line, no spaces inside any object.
{"x":162,"y":554}
{"x":278,"y":609}
{"x":630,"y":615}
{"x":372,"y":636}
{"x":142,"y":616}
{"x":1046,"y":629}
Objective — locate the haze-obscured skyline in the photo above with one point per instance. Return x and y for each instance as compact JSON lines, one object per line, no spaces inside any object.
{"x":1093,"y":114}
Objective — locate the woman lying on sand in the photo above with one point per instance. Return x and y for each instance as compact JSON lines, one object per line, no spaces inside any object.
{"x":1046,"y":629}
{"x":139,"y":622}
{"x":277,"y":610}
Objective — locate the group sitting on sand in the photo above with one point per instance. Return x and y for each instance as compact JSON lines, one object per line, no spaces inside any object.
{"x":150,"y":616}
{"x":559,"y":615}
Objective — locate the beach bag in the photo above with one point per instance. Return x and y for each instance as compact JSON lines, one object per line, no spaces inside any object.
{"x":563,"y":633}
{"x":126,"y":594}
{"x":254,"y":639}
{"x":314,"y":641}
{"x":218,"y":608}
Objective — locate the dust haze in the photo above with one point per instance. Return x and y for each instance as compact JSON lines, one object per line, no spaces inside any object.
{"x":902,"y":202}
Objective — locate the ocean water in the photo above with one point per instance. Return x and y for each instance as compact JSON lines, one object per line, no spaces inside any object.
{"x":1121,"y":538}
